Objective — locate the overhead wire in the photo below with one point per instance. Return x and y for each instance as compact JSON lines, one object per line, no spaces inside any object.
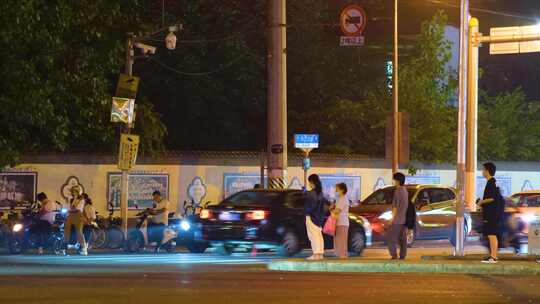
{"x":220,"y":69}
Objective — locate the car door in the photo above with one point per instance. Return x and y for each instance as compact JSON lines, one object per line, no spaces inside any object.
{"x":294,"y":214}
{"x":438,"y":215}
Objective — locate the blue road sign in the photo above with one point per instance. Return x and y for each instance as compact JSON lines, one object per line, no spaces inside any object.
{"x":306,"y":141}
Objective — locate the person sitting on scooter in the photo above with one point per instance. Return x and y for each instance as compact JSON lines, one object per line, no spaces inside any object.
{"x":89,"y":218}
{"x":46,"y":216}
{"x":160,"y":220}
{"x":75,"y":219}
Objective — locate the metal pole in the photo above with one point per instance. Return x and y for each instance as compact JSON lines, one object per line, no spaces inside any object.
{"x":277,"y":95}
{"x":262,"y":157}
{"x":395,"y":94}
{"x":472,"y":111}
{"x":462,"y":112}
{"x":125,"y":173}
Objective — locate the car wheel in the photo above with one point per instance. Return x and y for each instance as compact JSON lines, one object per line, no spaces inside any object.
{"x":115,"y":238}
{"x":357,"y":242}
{"x":197,"y":247}
{"x":411,"y":237}
{"x":290,"y":245}
{"x":15,"y":245}
{"x":134,"y":243}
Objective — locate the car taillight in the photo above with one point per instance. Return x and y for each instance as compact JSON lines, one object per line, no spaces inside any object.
{"x":256,"y":215}
{"x":205,"y":214}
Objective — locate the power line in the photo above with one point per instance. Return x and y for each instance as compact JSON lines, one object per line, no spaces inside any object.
{"x":222,"y":68}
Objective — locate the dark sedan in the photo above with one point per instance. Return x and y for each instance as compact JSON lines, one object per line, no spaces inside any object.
{"x":268,"y":220}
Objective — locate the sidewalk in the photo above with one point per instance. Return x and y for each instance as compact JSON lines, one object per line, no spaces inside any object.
{"x":434,"y":261}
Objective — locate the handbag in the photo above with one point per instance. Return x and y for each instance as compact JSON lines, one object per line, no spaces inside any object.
{"x":330,"y":226}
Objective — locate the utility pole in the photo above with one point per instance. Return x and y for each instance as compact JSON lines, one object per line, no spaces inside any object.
{"x":472,"y":112}
{"x":277,"y":95}
{"x":130,"y":54}
{"x":395,"y":94}
{"x":462,"y":114}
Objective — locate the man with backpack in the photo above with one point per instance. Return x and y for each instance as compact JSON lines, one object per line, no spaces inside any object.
{"x":493,"y":212}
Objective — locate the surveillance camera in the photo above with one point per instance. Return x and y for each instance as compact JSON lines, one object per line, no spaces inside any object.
{"x":146,"y":49}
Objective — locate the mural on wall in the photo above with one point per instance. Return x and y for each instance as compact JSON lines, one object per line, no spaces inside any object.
{"x":379,"y":184}
{"x":141,"y":187}
{"x":16,"y":188}
{"x":196,"y":191}
{"x":236,"y":182}
{"x":353,"y":183}
{"x":296,"y":184}
{"x":423,"y":179}
{"x":527,"y":186}
{"x":65,"y":190}
{"x":503,"y":182}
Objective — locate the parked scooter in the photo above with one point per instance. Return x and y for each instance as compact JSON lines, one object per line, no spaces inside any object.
{"x":139,"y":238}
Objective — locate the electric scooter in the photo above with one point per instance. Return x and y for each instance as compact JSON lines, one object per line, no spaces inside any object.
{"x":139,"y":238}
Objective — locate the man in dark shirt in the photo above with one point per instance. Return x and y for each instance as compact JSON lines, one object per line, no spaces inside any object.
{"x":492,"y":212}
{"x":397,"y":231}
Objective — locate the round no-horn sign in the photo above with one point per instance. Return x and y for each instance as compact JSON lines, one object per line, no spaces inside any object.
{"x":353,"y":20}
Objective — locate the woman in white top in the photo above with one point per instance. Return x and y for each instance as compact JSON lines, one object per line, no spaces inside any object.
{"x":341,"y":213}
{"x":89,"y":218}
{"x":47,"y":216}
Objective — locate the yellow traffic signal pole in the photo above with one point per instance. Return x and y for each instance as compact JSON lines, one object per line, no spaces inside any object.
{"x":475,"y":40}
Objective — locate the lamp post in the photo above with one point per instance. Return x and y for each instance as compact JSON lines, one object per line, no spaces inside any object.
{"x":395,"y":92}
{"x":462,"y":115}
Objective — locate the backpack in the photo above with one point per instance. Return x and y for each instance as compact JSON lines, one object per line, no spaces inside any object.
{"x":410,"y":217}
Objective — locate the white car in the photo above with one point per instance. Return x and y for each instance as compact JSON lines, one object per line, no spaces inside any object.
{"x":526,"y":205}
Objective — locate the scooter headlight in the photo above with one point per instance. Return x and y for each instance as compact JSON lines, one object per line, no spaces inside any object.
{"x":64,"y":210}
{"x":17,"y":227}
{"x":185,"y":225}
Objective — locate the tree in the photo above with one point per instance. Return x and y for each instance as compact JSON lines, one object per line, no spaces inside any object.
{"x":508,"y":127}
{"x":60,"y":62}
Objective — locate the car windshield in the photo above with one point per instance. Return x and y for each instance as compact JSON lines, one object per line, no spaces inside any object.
{"x":526,"y":199}
{"x":384,"y":196}
{"x":251,"y":198}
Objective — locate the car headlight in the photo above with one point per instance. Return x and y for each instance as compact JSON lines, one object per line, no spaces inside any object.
{"x":386,"y":216}
{"x":17,"y":227}
{"x":185,"y":225}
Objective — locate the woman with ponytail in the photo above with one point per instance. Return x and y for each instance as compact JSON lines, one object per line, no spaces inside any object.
{"x":314,"y":212}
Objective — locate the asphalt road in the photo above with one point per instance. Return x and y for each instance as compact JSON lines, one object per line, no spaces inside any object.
{"x":241,"y":278}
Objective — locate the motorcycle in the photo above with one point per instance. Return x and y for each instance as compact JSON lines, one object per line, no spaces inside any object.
{"x":139,"y":238}
{"x":23,"y":235}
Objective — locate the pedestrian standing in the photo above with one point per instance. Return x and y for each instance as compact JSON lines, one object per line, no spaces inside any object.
{"x":397,"y":231}
{"x":47,"y":215}
{"x":314,"y":212}
{"x":75,"y":219}
{"x":492,"y":211}
{"x":89,"y":218}
{"x":341,"y":212}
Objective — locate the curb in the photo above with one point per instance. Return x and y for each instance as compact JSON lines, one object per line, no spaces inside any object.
{"x":502,"y":268}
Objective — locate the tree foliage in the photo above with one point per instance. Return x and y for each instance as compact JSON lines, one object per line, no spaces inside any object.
{"x":60,"y":62}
